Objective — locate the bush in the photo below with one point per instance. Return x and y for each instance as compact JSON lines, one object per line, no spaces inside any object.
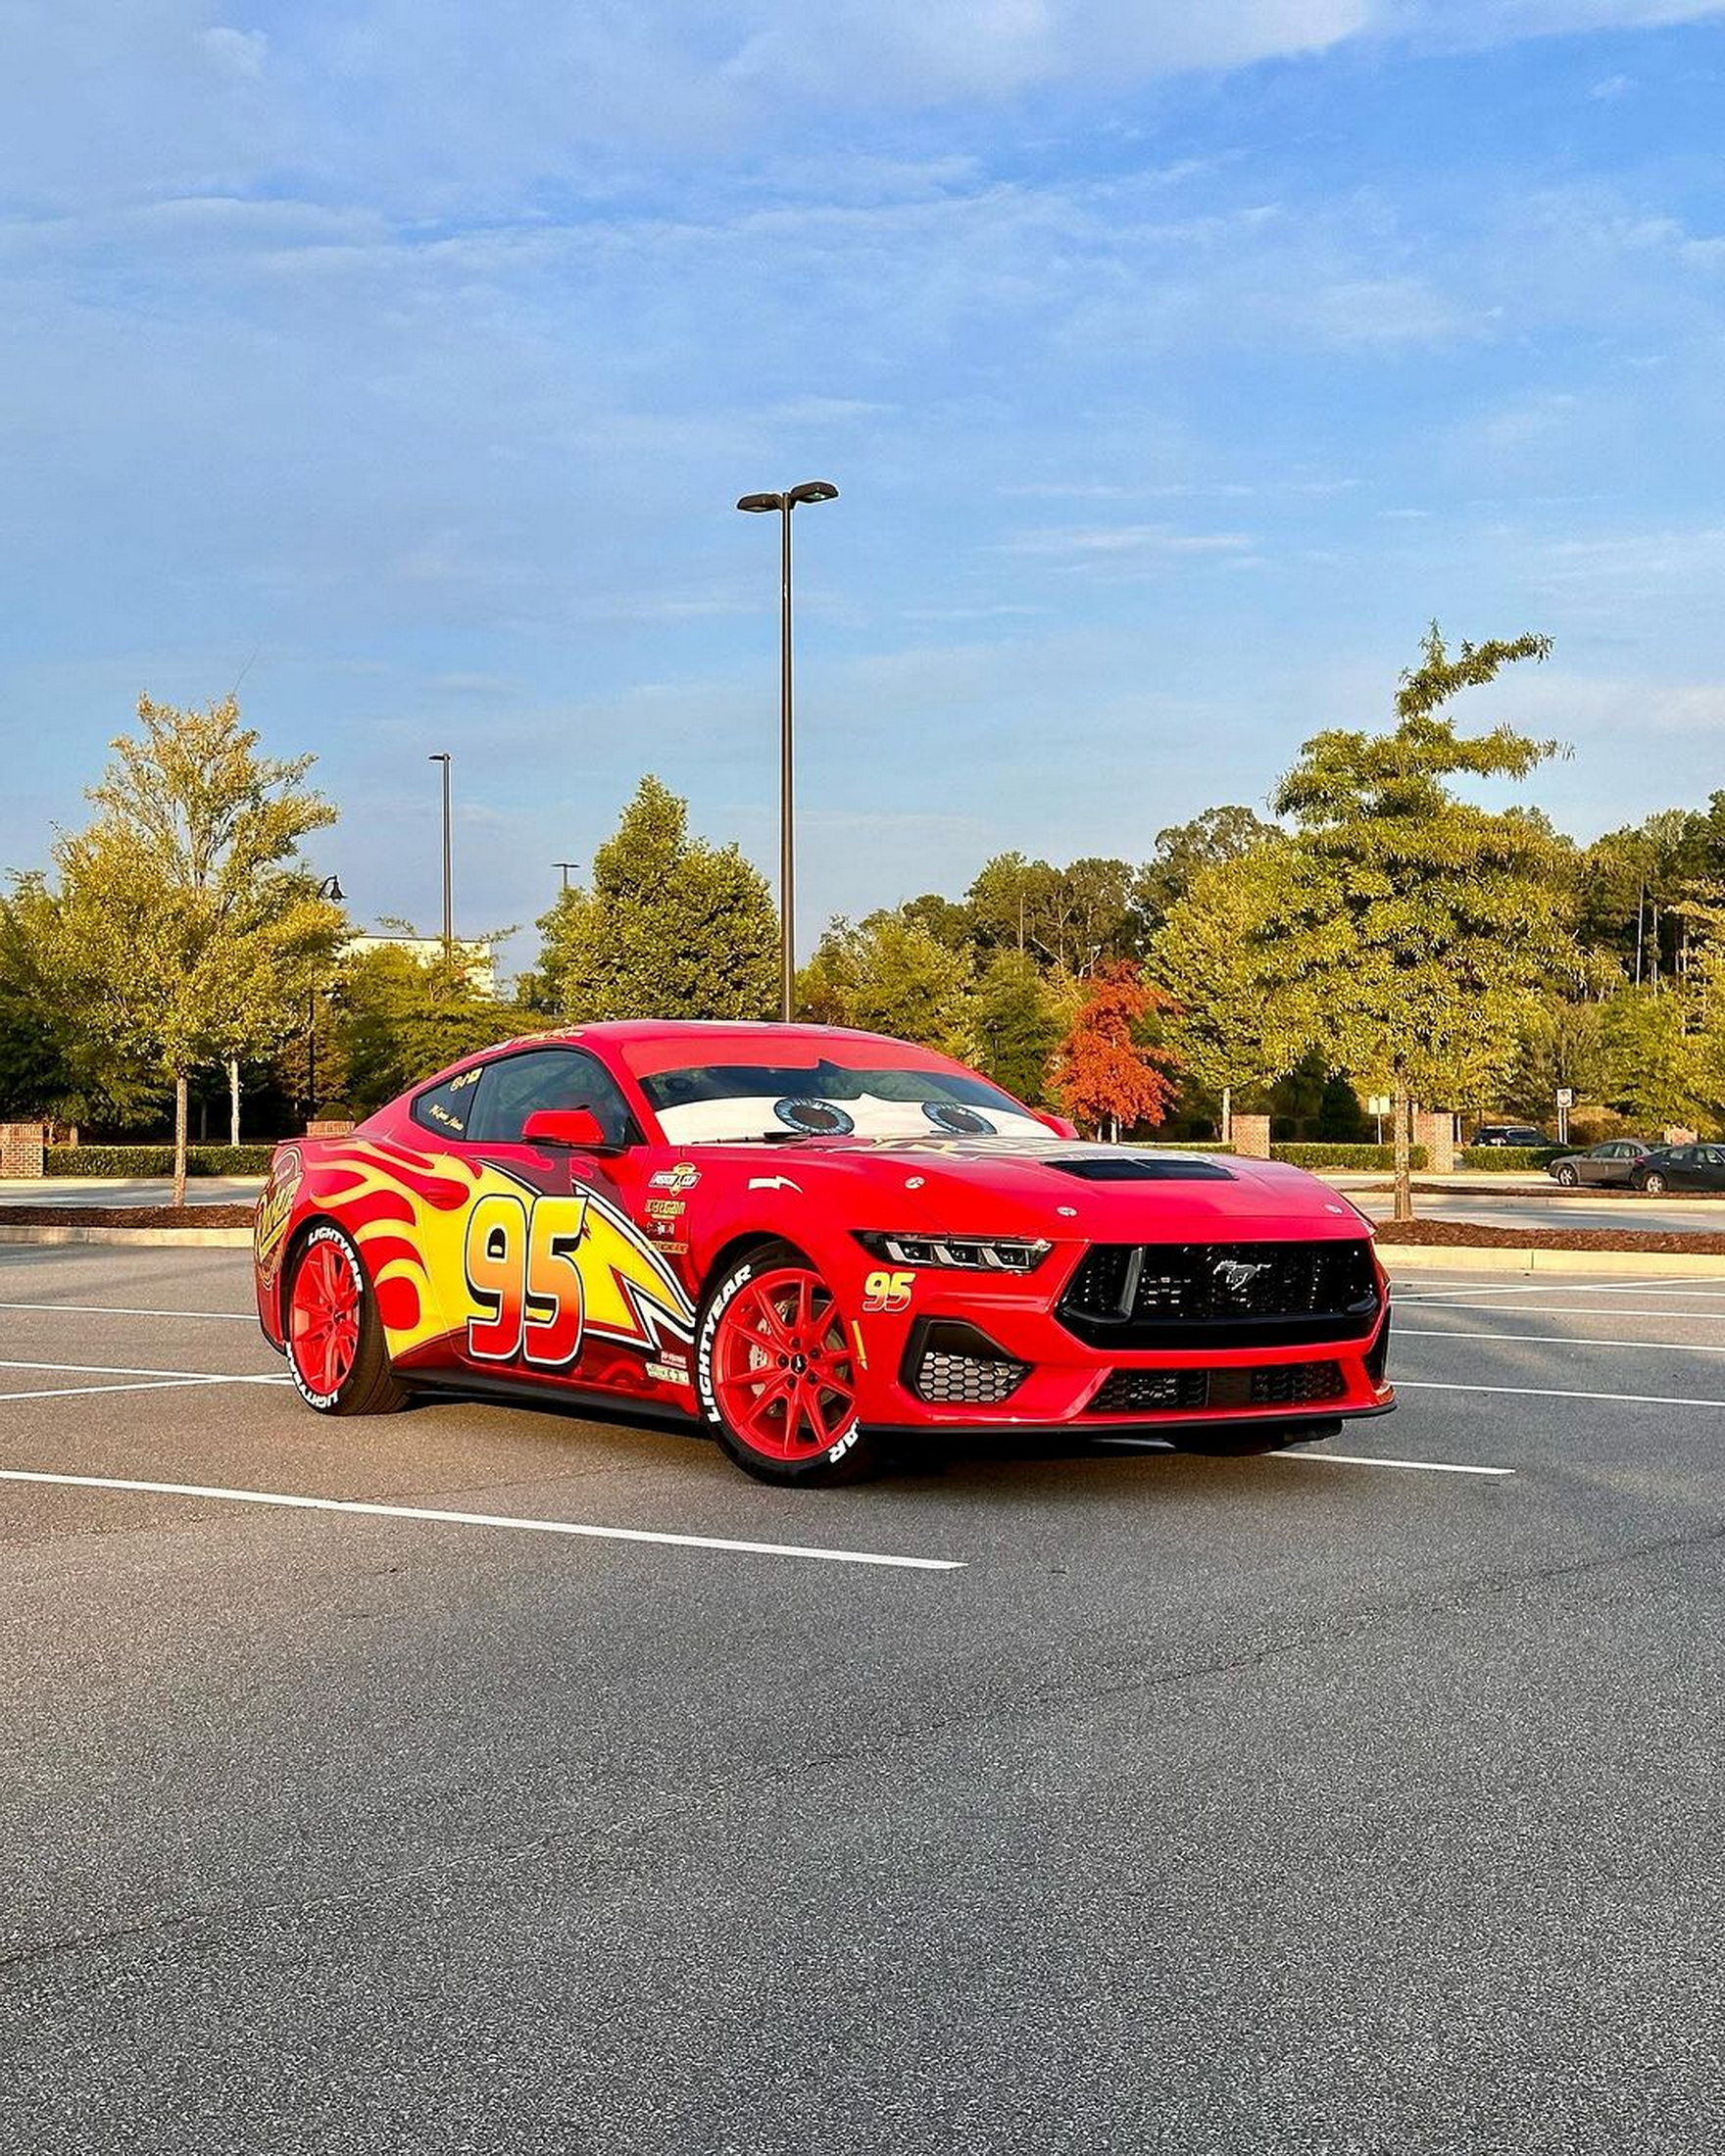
{"x":138,"y":1162}
{"x":1344,"y":1156}
{"x":1507,"y":1159}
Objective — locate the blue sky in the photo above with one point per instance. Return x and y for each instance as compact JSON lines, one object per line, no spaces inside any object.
{"x":401,"y":361}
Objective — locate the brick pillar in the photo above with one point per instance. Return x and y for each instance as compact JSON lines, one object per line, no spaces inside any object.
{"x":1252,"y":1136}
{"x":1435,"y":1130}
{"x":20,"y":1150}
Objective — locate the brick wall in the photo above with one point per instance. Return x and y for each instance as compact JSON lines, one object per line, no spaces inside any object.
{"x":1435,"y":1130}
{"x":20,"y":1150}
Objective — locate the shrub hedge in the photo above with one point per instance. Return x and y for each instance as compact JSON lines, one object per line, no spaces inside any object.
{"x":1505,"y":1160}
{"x":1344,"y":1156}
{"x":157,"y":1161}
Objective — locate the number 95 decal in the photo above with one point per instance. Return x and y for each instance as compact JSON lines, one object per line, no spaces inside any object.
{"x":887,"y":1291}
{"x":523,"y":1278}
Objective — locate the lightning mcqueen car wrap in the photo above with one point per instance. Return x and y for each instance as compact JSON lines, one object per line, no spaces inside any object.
{"x":813,"y":1242}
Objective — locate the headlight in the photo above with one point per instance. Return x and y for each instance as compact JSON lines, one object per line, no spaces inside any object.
{"x":964,"y":1253}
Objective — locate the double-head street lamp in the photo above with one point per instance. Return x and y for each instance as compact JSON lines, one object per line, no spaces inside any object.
{"x":811,"y":490}
{"x":442,"y":757}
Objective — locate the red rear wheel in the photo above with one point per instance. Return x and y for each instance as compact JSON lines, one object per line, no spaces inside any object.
{"x":335,"y":1344}
{"x":777,"y":1372}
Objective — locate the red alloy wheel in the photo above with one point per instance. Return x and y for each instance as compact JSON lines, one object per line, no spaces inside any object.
{"x":323,"y":1317}
{"x":781,"y":1368}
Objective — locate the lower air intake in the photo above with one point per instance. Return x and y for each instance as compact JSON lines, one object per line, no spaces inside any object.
{"x":954,"y":1365}
{"x":1275,"y":1385}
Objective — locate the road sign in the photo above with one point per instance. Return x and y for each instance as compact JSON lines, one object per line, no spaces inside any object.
{"x":1565,"y":1097}
{"x":1378,"y":1105}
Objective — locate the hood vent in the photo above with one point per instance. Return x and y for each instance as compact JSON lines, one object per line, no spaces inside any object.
{"x":1141,"y":1167}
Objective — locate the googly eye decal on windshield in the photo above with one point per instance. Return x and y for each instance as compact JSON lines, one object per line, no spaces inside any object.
{"x":954,"y":1116}
{"x":814,"y":1118}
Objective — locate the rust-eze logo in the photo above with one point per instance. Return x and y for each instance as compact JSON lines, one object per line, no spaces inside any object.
{"x":276,"y":1210}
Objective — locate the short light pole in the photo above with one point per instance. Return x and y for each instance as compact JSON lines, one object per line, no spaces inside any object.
{"x":442,"y":757}
{"x":757,"y":505}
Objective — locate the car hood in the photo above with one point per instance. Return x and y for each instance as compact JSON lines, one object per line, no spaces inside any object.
{"x":1053,"y":1187}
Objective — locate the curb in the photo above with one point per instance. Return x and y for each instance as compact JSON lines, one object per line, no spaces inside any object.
{"x":1471,"y":1258}
{"x":171,"y":1239}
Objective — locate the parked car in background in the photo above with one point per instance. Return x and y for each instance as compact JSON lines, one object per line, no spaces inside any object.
{"x":1613,"y":1163}
{"x":1509,"y":1134}
{"x":1680,"y":1168}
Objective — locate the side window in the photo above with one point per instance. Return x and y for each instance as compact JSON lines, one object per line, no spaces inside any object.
{"x":451,"y":1108}
{"x":550,"y":1078}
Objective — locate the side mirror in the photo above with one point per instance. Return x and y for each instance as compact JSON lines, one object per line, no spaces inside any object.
{"x":578,"y":1127}
{"x":1060,"y":1127}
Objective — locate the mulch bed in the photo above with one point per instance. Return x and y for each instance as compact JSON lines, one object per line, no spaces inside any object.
{"x":126,"y":1216}
{"x":1440,"y":1234}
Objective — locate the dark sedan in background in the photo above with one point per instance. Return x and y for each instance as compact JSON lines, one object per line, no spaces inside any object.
{"x":1615,"y":1161}
{"x":1680,"y":1168}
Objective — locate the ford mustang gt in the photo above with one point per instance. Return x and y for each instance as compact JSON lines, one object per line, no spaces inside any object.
{"x":816,"y":1242}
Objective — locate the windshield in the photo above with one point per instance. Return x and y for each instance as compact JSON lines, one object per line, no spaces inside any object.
{"x":715,"y":1104}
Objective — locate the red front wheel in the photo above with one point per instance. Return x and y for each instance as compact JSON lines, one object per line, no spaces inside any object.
{"x":776,"y":1372}
{"x":335,"y":1344}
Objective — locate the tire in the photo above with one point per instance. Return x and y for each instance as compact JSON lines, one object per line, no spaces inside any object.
{"x":336,"y":1346}
{"x":1567,"y":1176}
{"x":775,"y":1375}
{"x":1652,"y":1184}
{"x":1237,"y":1440}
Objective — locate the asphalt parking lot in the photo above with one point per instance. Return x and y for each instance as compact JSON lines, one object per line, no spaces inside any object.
{"x":1357,"y":1798}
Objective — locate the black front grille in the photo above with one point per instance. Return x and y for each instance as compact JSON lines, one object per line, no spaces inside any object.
{"x":1221,"y":1294}
{"x":1272,"y":1384}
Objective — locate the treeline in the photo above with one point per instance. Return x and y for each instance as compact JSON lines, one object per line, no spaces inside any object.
{"x":1377,"y":933}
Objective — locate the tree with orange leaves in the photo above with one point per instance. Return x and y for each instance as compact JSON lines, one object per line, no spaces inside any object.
{"x":1104,"y":1077}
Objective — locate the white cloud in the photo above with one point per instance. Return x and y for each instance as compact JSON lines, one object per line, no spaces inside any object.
{"x":239,"y":53}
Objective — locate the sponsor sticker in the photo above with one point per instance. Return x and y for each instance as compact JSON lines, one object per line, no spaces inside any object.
{"x":666,"y":1209}
{"x":683,"y":1177}
{"x":275,"y":1208}
{"x":669,"y":1373}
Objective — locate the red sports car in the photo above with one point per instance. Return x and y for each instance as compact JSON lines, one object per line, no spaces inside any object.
{"x":814,"y":1241}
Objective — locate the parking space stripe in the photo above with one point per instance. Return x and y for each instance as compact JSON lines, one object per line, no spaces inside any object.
{"x":123,"y":1370}
{"x":109,"y":1309}
{"x":136,"y":1384}
{"x":1549,"y":1392}
{"x":1360,"y":1459}
{"x":484,"y":1519}
{"x":1406,"y":1332}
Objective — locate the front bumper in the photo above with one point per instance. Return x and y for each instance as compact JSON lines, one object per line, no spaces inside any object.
{"x":976,"y":1354}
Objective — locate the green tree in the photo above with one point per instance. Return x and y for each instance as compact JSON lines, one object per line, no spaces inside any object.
{"x":888,"y":974}
{"x":1184,"y":851}
{"x":670,"y":928}
{"x":1018,"y":1019}
{"x":188,"y":929}
{"x":1413,"y":926}
{"x":1659,"y":1072}
{"x":1235,"y":1024}
{"x":391,"y":1018}
{"x":1071,"y":918}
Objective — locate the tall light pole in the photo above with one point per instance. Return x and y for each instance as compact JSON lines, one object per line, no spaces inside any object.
{"x":330,"y":889}
{"x":566,"y":866}
{"x":757,"y":505}
{"x":442,"y":757}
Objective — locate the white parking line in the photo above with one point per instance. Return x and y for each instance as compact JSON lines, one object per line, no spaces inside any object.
{"x":125,"y":1370}
{"x":138,"y":1385}
{"x":1697,"y":1285}
{"x":1547,"y":1392}
{"x":1407,"y":1333}
{"x":484,"y":1519}
{"x":1358,"y":1459}
{"x":1561,"y":1309}
{"x":109,"y":1309}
